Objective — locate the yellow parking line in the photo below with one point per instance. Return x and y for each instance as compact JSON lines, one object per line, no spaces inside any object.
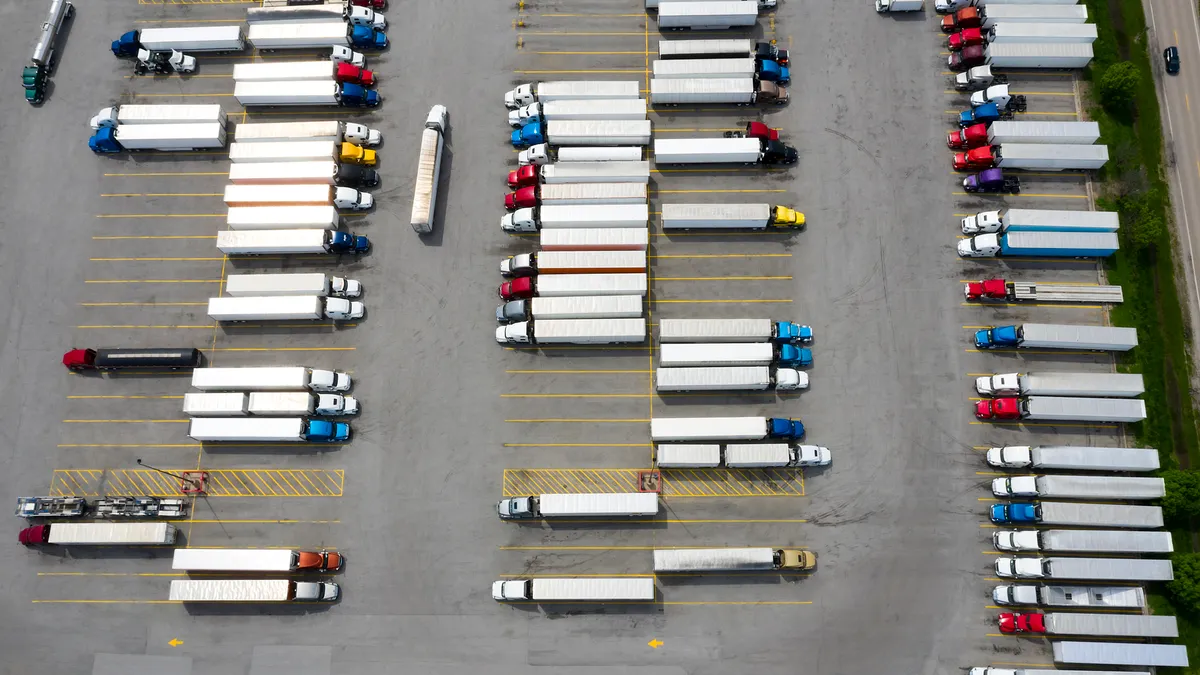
{"x":576,"y":372}
{"x":163,"y":194}
{"x":700,"y":302}
{"x":154,"y":236}
{"x":162,"y":215}
{"x":143,"y":304}
{"x":575,"y":420}
{"x":696,"y":256}
{"x":1027,"y":194}
{"x":576,"y":445}
{"x":730,"y":278}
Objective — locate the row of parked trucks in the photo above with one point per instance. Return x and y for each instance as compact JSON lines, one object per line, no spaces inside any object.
{"x":268,"y":405}
{"x":623,"y":212}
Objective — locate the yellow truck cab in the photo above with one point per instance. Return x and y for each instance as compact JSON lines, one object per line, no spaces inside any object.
{"x":356,"y":154}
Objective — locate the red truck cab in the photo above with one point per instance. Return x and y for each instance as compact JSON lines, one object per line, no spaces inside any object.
{"x":760,"y":130}
{"x":965,"y":38}
{"x":31,"y":536}
{"x":526,"y":175}
{"x":1016,"y":622}
{"x":973,"y":136}
{"x":522,"y":198}
{"x":988,"y":289}
{"x":348,"y":72}
{"x":998,"y":409}
{"x":967,"y":17}
{"x":320,"y":561}
{"x":80,"y":359}
{"x":517,"y":289}
{"x":975,"y":159}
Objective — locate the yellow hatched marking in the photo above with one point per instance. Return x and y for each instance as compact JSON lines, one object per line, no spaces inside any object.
{"x":775,"y":482}
{"x":221,"y":482}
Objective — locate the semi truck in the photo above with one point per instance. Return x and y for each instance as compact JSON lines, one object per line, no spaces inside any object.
{"x":1061,"y":408}
{"x":1080,"y":487}
{"x":707,"y":15}
{"x":595,"y":239}
{"x":252,"y":590}
{"x":218,"y":39}
{"x":1075,"y":458}
{"x":544,"y":153}
{"x":581,"y":172}
{"x":582,"y":215}
{"x":592,"y":589}
{"x":344,"y":11}
{"x":1039,"y":156}
{"x":1042,"y":33}
{"x":575,"y":194}
{"x":602,"y":109}
{"x":725,"y":428}
{"x":1082,"y":541}
{"x":311,"y":194}
{"x":579,"y":307}
{"x":301,"y":151}
{"x":571,"y":90}
{"x":582,"y":132}
{"x":116,"y":359}
{"x":326,"y":69}
{"x":270,"y":35}
{"x":429,"y":170}
{"x":267,"y":430}
{"x":283,"y":218}
{"x":752,"y":217}
{"x":270,"y":378}
{"x":1078,"y":515}
{"x":573,"y":331}
{"x":1020,"y":291}
{"x":264,"y":242}
{"x":1120,"y":654}
{"x":164,"y":137}
{"x":99,"y":534}
{"x":1022,"y":55}
{"x":1117,"y":597}
{"x":1057,"y":336}
{"x":267,"y":404}
{"x":733,"y":559}
{"x":561,"y":285}
{"x":568,"y":505}
{"x":292,"y":284}
{"x":1115,"y":385}
{"x":1040,"y":244}
{"x":131,"y":114}
{"x":735,"y":456}
{"x":733,"y":354}
{"x":747,"y":151}
{"x":1061,"y":623}
{"x":572,"y":262}
{"x":751,"y":378}
{"x":1092,"y":569}
{"x":733,"y":330}
{"x":330,"y":131}
{"x":738,"y":90}
{"x":1002,"y":131}
{"x":738,"y":68}
{"x":308,"y":92}
{"x":255,"y":560}
{"x":290,"y":173}
{"x":721,"y":49}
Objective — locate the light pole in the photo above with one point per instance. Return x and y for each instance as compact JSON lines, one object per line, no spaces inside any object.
{"x":197,"y":485}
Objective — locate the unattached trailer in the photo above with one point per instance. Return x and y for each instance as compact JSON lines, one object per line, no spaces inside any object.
{"x":705,"y":68}
{"x":1078,"y":458}
{"x":283,"y":218}
{"x":706,"y":15}
{"x":215,"y":404}
{"x":687,"y":455}
{"x":595,"y":239}
{"x":1120,"y":654}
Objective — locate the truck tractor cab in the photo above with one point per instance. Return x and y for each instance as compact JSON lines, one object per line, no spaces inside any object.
{"x":523,"y":198}
{"x":517,"y":507}
{"x":784,"y":218}
{"x":998,"y":409}
{"x":992,"y":181}
{"x":813,"y":455}
{"x":793,"y":356}
{"x":517,"y":289}
{"x":967,"y":17}
{"x":126,"y":46}
{"x":755,"y":130}
{"x":354,"y":96}
{"x":772,"y":71}
{"x":965,"y":38}
{"x":777,"y":152}
{"x":1015,"y":512}
{"x":978,"y":77}
{"x":34,"y":80}
{"x":975,"y":159}
{"x":344,"y":242}
{"x":1000,"y":95}
{"x":356,"y":154}
{"x":795,"y":559}
{"x":997,"y":336}
{"x":526,"y":175}
{"x":163,"y":62}
{"x":782,"y":427}
{"x":343,"y":54}
{"x":988,"y":289}
{"x":316,"y":591}
{"x":984,"y":114}
{"x":965,"y":59}
{"x":973,"y":136}
{"x":357,"y":176}
{"x":768,"y":50}
{"x":530,"y":133}
{"x":348,"y":72}
{"x":1019,"y":622}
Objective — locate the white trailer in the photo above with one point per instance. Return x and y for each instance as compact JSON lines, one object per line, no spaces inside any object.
{"x":573,"y":331}
{"x":305,"y":92}
{"x":710,"y":428}
{"x":1083,"y":541}
{"x":717,"y":354}
{"x":595,"y":239}
{"x":571,"y":90}
{"x":739,"y":91}
{"x":694,"y":49}
{"x":197,"y":136}
{"x":252,"y":590}
{"x":119,"y":534}
{"x":542,"y":153}
{"x":565,"y":505}
{"x":284,"y":173}
{"x":1120,"y":654}
{"x":309,"y":12}
{"x":742,"y":68}
{"x":687,"y":455}
{"x":429,"y":170}
{"x":707,"y":15}
{"x":311,"y":194}
{"x":1092,"y":569}
{"x":1040,"y":220}
{"x":269,"y":35}
{"x":299,"y":403}
{"x":282,"y":71}
{"x":291,"y":151}
{"x":329,"y":130}
{"x":554,"y":216}
{"x":571,"y":194}
{"x":283,"y":218}
{"x":1038,"y":55}
{"x":601,"y":109}
{"x":731,"y":559}
{"x":1044,"y":33}
{"x":573,"y":262}
{"x":707,"y":150}
{"x":1122,"y":625}
{"x":254,"y":560}
{"x":751,"y":378}
{"x":1078,"y":458}
{"x":1049,"y":156}
{"x":1076,"y":336}
{"x":1115,"y":385}
{"x":997,"y":14}
{"x":284,"y":308}
{"x":266,"y":430}
{"x":192,"y":39}
{"x":752,"y":217}
{"x":597,"y":132}
{"x":624,"y":589}
{"x":766,"y":455}
{"x":223,"y":404}
{"x":595,"y":172}
{"x":1080,"y":487}
{"x":1062,"y":133}
{"x":315,"y":283}
{"x":129,"y":114}
{"x":579,"y":307}
{"x":261,"y":242}
{"x":1117,"y":597}
{"x":947,"y":6}
{"x":269,"y":378}
{"x":731,"y":330}
{"x":560,"y":285}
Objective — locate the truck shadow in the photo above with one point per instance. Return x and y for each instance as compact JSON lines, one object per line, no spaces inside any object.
{"x":764,"y":578}
{"x":112,"y":552}
{"x":257,"y":609}
{"x":300,"y":447}
{"x":574,"y":525}
{"x":564,"y":609}
{"x":685,"y":399}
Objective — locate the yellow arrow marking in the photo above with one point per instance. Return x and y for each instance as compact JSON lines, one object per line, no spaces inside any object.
{"x":655,"y":643}
{"x":175,"y":642}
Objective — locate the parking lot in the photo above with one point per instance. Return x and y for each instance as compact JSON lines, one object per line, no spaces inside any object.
{"x":451,"y":422}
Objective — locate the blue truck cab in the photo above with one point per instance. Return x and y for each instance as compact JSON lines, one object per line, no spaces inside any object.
{"x":345,"y":242}
{"x":787,"y":331}
{"x":782,"y":427}
{"x":771,"y":71}
{"x":324,"y":431}
{"x":127,"y":45}
{"x":1018,"y":512}
{"x":367,"y":37}
{"x":355,"y":96}
{"x":984,"y":114}
{"x":793,"y":356}
{"x":104,"y":141}
{"x":531,"y":133}
{"x":998,"y":336}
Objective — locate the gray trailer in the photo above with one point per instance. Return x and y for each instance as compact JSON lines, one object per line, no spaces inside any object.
{"x":1119,"y":625}
{"x":1120,"y":654}
{"x":1080,"y":487}
{"x":1083,"y":541}
{"x":1089,"y":569}
{"x":1092,"y":515}
{"x":1115,"y":385}
{"x":1073,"y":458}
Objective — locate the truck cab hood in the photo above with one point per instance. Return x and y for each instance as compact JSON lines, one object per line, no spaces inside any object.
{"x":509,"y":590}
{"x":964,"y":248}
{"x":1006,"y":567}
{"x":983,"y":385}
{"x":790,"y":379}
{"x":1010,"y":456}
{"x":515,"y":507}
{"x":983,"y":409}
{"x":813,"y":455}
{"x":1017,"y":486}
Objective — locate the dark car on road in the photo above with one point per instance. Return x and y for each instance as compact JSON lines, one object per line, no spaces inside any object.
{"x":1171,"y":58}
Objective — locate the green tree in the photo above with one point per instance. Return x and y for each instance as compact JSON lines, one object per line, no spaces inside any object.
{"x":1183,"y":495}
{"x":1185,"y":587}
{"x":1118,"y":86}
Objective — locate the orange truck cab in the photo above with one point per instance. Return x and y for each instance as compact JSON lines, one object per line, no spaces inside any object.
{"x":967,"y":17}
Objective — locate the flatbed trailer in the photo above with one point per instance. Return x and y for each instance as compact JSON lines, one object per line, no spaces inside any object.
{"x":120,"y":507}
{"x":51,"y":507}
{"x":1032,"y":291}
